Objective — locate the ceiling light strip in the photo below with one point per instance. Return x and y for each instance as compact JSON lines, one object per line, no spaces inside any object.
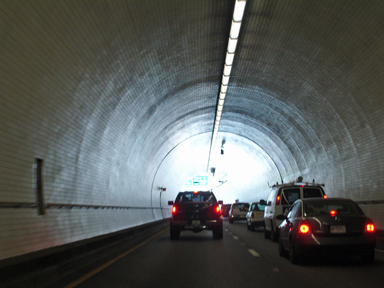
{"x":229,"y":57}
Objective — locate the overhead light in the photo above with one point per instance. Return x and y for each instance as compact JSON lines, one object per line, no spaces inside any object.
{"x":227,"y":70}
{"x":235,"y":30}
{"x":221,"y":102}
{"x":232,"y":45}
{"x":239,"y":10}
{"x":222,"y":96}
{"x":223,"y":88}
{"x":229,"y":58}
{"x":225,"y":80}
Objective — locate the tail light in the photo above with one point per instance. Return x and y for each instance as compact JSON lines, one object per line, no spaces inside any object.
{"x":174,"y":210}
{"x":370,"y":227}
{"x":325,"y":196}
{"x":278,"y":200}
{"x":253,"y":215}
{"x":217,"y":209}
{"x":304,"y":228}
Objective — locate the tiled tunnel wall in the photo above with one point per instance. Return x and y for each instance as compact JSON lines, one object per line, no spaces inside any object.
{"x":118,"y":98}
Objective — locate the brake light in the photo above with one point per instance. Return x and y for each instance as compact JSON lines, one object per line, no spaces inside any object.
{"x":304,"y":229}
{"x":253,"y":215}
{"x":217,"y":209}
{"x":278,"y":200}
{"x":173,"y":209}
{"x":325,"y":196}
{"x":195,"y":192}
{"x":370,"y":227}
{"x":333,"y":213}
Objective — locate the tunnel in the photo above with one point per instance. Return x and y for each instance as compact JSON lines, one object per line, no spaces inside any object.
{"x":110,"y":108}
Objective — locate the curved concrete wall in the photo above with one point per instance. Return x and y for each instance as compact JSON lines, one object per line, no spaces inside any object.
{"x":118,"y":98}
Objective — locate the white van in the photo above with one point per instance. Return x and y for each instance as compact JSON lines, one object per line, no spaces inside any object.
{"x":282,"y":197}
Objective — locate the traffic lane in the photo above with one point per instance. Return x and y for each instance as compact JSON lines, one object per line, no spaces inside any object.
{"x":339,"y":272}
{"x":195,"y":260}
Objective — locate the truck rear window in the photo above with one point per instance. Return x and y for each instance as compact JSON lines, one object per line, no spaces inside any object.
{"x":312,"y":193}
{"x":196,"y":197}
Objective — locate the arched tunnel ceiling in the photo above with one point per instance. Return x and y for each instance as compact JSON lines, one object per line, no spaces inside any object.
{"x":131,"y":82}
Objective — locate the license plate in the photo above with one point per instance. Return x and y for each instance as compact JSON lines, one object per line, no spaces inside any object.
{"x":338,"y":229}
{"x":195,"y":222}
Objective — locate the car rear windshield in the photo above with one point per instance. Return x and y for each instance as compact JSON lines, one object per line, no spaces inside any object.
{"x":257,"y":207}
{"x":325,"y":207}
{"x":241,"y":206}
{"x":196,"y":197}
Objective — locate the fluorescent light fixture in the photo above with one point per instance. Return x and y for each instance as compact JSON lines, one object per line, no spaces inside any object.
{"x":225,"y":80}
{"x":223,"y":88}
{"x":222,"y":96}
{"x":229,"y":58}
{"x":239,"y":10}
{"x":232,"y":45}
{"x":227,"y":70}
{"x":235,"y":30}
{"x":219,"y":112}
{"x":221,"y":102}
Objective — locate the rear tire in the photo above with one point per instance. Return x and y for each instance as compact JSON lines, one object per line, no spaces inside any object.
{"x":282,"y":251}
{"x":248,"y":226}
{"x":368,"y":257}
{"x":294,"y":257}
{"x":274,"y":234}
{"x":218,"y":233}
{"x":174,"y":233}
{"x":267,"y":234}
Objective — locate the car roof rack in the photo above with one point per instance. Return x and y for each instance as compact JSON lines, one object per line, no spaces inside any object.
{"x":298,"y":182}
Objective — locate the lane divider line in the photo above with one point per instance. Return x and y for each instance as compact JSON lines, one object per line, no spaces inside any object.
{"x":235,"y":237}
{"x":110,"y":262}
{"x":253,"y":252}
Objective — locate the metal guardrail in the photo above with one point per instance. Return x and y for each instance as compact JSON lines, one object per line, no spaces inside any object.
{"x":69,"y":206}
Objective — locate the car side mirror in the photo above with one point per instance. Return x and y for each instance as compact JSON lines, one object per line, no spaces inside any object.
{"x":170,"y":202}
{"x":220,"y":202}
{"x":281,"y":217}
{"x":262,"y":202}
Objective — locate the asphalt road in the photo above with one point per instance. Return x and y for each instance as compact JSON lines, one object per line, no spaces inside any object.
{"x":242,"y":259}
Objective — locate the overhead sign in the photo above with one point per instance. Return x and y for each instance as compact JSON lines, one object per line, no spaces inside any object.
{"x":198,"y":181}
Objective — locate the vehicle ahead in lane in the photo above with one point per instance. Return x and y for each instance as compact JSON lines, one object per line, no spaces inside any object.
{"x":255,"y":215}
{"x":196,"y":211}
{"x":333,"y":226}
{"x":225,"y":210}
{"x":238,"y":211}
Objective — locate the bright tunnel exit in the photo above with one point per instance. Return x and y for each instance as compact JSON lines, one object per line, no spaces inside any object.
{"x":242,"y":169}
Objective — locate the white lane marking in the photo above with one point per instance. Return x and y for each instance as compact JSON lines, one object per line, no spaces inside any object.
{"x":253,"y":252}
{"x":235,"y":237}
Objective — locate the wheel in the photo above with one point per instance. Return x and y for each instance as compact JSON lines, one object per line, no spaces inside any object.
{"x":248,"y":226}
{"x":368,"y":257}
{"x":294,"y":257}
{"x":218,"y":233}
{"x":252,"y":227}
{"x":282,"y":251}
{"x":274,"y":234}
{"x":174,"y":233}
{"x":267,"y":234}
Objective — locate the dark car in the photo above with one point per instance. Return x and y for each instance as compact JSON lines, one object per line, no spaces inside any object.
{"x":225,"y":210}
{"x":196,"y":211}
{"x":326,"y":227}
